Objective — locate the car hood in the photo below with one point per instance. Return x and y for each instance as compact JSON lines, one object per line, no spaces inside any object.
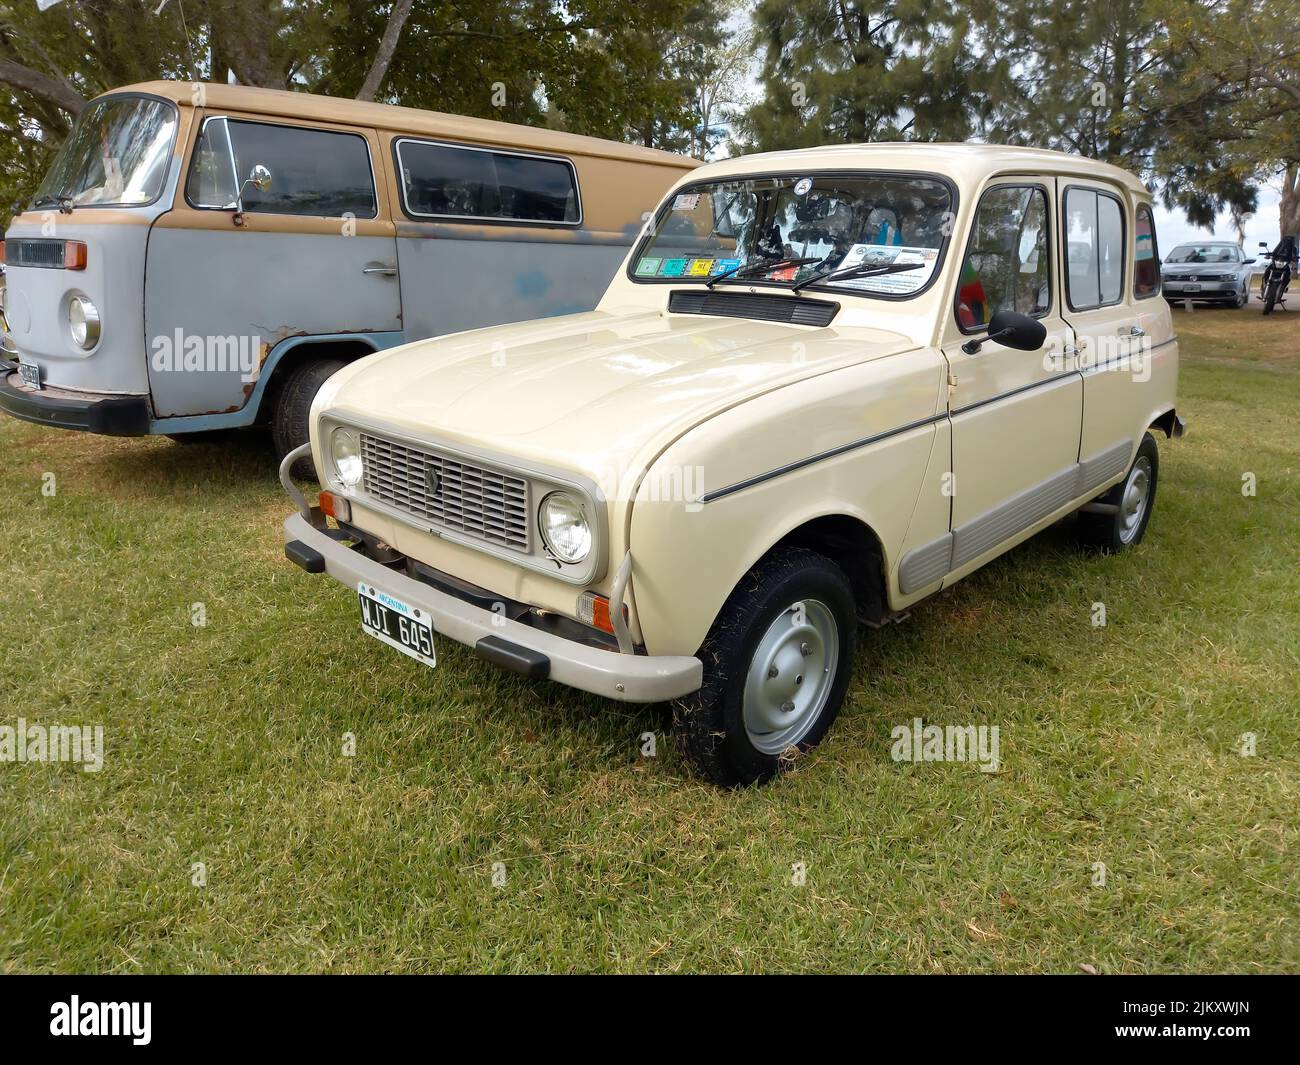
{"x":589,"y":390}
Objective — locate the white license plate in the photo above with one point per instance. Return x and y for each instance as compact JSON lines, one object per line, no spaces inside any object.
{"x":30,"y":374}
{"x":398,"y":624}
{"x":1191,"y":288}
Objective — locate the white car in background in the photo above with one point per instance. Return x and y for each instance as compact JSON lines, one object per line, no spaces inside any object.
{"x":1211,"y":271}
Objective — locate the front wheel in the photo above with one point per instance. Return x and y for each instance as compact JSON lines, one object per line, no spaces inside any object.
{"x":776,"y":666}
{"x":1271,"y":294}
{"x":1133,"y":499}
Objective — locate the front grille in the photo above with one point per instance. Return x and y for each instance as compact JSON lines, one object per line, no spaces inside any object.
{"x":29,"y":251}
{"x":460,"y":496}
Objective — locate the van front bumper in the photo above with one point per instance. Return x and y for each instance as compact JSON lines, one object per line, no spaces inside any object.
{"x":505,"y":642}
{"x":91,"y":413}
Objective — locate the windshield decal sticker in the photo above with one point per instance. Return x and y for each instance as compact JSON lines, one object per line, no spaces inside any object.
{"x":802,"y":186}
{"x":890,"y":284}
{"x":673,"y":268}
{"x":700,"y":268}
{"x":648,"y":267}
{"x":721,"y":266}
{"x":686,"y":201}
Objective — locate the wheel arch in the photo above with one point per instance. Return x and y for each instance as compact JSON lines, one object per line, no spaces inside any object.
{"x":298,"y":351}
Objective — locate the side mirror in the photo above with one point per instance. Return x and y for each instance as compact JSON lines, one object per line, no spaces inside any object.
{"x":1011,"y":329}
{"x":1249,"y":261}
{"x":260,"y":178}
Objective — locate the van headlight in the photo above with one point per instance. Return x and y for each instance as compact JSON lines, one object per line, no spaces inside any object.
{"x":345,"y":453}
{"x":83,"y":321}
{"x":565,"y":527}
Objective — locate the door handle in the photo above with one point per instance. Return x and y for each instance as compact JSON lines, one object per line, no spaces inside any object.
{"x":383,"y":271}
{"x":1135,"y":331}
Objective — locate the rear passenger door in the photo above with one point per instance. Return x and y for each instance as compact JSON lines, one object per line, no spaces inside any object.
{"x":316,"y":255}
{"x":1095,"y":236}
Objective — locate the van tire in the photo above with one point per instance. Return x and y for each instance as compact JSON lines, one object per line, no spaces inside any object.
{"x":715,"y":725}
{"x":289,"y":420}
{"x":1113,"y":533}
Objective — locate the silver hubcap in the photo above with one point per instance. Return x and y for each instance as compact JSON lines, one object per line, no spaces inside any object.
{"x":790,"y":676}
{"x":1137,"y":493}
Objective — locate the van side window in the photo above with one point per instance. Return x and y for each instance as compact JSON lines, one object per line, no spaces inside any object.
{"x":1094,"y":236}
{"x":446,"y":181}
{"x":313,"y":171}
{"x":1007,"y":260}
{"x":1146,"y":254}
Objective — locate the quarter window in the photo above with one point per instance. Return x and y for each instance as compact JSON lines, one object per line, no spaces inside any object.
{"x":313,"y":171}
{"x":1007,"y":260}
{"x":447,"y":181}
{"x":1094,"y":236}
{"x":1146,"y":255}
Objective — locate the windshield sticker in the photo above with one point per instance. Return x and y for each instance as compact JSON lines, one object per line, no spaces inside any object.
{"x":700,"y":268}
{"x":723,"y":265}
{"x":1144,"y":249}
{"x":648,"y":267}
{"x":673,"y":268}
{"x":686,"y":201}
{"x":902,"y":283}
{"x":802,"y":186}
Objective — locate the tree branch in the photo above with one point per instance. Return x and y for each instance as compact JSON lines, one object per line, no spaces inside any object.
{"x":387,"y":46}
{"x":52,"y":90}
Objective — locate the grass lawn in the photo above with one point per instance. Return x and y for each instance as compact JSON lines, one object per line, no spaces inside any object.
{"x":223,"y":745}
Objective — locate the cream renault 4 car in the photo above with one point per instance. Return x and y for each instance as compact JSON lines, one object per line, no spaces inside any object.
{"x":824,"y":385}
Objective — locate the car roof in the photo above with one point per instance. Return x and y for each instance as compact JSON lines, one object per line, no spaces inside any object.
{"x":972,"y":161}
{"x":410,"y":120}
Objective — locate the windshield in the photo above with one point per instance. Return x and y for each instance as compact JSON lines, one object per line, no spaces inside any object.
{"x":1204,"y":253}
{"x":734,"y":226}
{"x":116,"y":155}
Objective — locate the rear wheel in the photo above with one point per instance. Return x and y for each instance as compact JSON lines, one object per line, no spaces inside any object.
{"x":1133,"y":499}
{"x":776,"y":666}
{"x":289,"y":419}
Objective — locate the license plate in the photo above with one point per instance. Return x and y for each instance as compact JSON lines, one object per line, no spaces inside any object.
{"x":1191,"y":288}
{"x":398,"y":624}
{"x":30,"y":374}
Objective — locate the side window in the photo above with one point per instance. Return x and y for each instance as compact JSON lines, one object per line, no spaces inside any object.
{"x":1094,"y":242}
{"x":446,"y":181}
{"x":313,"y":171}
{"x":1146,"y":254}
{"x":1007,"y":259}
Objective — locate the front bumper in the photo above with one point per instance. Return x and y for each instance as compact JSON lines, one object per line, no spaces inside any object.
{"x":108,"y":415}
{"x":1200,"y":290}
{"x":626,"y":677}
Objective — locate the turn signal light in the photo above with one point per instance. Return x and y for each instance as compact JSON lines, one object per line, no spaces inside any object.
{"x":74,"y":255}
{"x":336,"y":507}
{"x":593,"y":610}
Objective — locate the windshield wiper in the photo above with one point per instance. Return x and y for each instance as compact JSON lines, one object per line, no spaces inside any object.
{"x":64,"y":203}
{"x":850,"y":272}
{"x":762,"y":264}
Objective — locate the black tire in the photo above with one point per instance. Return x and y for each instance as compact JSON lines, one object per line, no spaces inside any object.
{"x":1270,"y":296}
{"x":712,"y":723}
{"x":1243,"y":297}
{"x":289,"y":424}
{"x":1112,"y":533}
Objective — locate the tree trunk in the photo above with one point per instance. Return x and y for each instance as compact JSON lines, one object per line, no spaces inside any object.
{"x":387,"y":46}
{"x":1289,"y":212}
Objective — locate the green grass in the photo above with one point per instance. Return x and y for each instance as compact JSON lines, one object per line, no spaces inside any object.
{"x":223,"y":745}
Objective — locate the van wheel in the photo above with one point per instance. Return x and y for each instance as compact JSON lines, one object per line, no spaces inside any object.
{"x":289,"y":424}
{"x":776,"y":666}
{"x":1134,"y":497}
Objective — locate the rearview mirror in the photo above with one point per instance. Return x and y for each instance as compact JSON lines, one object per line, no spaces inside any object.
{"x":1011,"y":329}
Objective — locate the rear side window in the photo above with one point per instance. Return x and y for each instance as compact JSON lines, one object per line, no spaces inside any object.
{"x":313,"y":171}
{"x":1146,"y":254}
{"x":450,"y":181}
{"x":1006,"y":265}
{"x":1094,"y":249}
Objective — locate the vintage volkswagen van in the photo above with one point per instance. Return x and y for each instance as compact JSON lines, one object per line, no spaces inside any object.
{"x":202,"y":257}
{"x":823,"y":386}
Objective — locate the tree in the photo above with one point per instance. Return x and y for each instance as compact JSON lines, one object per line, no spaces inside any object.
{"x":837,"y":71}
{"x":1230,"y":92}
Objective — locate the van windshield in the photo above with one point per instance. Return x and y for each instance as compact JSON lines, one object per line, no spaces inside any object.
{"x":116,"y":155}
{"x":793,"y":229}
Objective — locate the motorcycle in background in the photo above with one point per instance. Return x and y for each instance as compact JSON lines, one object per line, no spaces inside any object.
{"x":1277,"y":274}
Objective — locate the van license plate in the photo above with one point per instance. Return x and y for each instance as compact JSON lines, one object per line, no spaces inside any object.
{"x":30,"y":374}
{"x":398,"y":624}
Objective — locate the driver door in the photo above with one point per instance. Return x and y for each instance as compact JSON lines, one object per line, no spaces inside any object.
{"x":1016,"y":415}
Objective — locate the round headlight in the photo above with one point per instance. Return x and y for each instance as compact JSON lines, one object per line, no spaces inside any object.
{"x":83,"y":321}
{"x":564,"y":527}
{"x":345,"y":451}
